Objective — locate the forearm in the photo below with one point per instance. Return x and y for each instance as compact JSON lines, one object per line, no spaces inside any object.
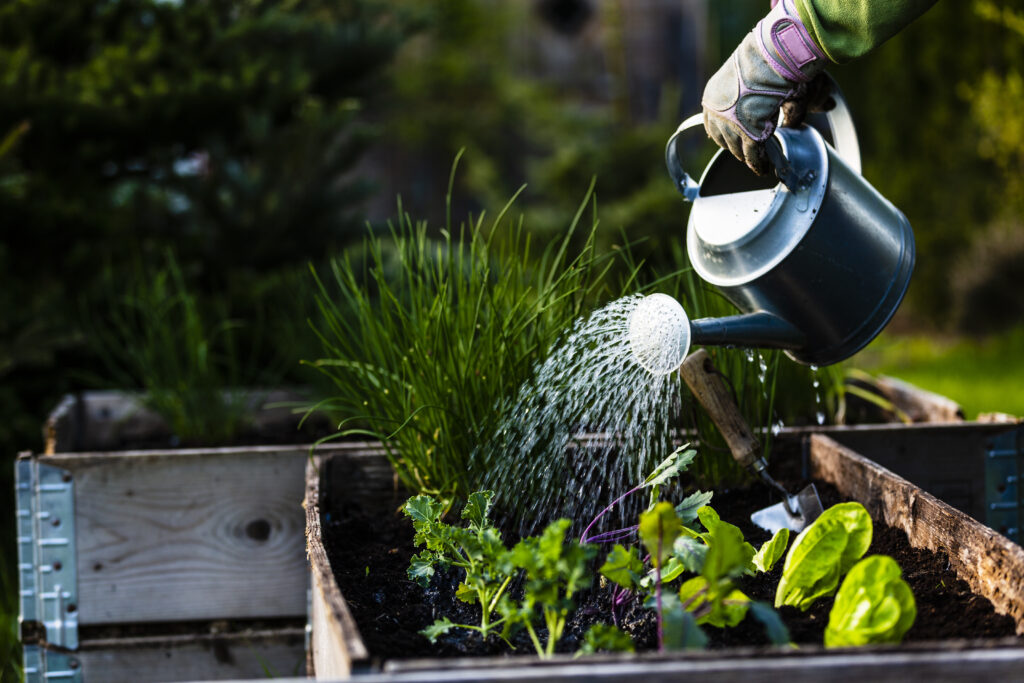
{"x":847,"y":29}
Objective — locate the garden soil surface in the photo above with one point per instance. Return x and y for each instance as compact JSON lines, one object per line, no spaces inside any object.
{"x":370,"y":553}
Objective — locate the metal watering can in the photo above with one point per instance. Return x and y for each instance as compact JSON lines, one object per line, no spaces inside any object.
{"x":816,"y":259}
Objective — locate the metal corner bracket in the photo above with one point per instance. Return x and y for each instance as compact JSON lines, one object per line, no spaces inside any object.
{"x":47,"y":561}
{"x":1004,"y":501}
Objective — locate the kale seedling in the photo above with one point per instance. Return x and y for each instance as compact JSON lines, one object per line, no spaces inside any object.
{"x":477,"y":549}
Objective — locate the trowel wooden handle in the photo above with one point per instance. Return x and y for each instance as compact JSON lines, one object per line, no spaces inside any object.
{"x":710,"y":389}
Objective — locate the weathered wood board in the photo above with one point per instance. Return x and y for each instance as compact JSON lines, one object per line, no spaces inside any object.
{"x":190,"y":534}
{"x":188,"y":657}
{"x":991,"y":565}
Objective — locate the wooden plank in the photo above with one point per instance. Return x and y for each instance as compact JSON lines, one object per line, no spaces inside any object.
{"x":991,"y":564}
{"x":109,"y":420}
{"x":335,"y":641}
{"x":947,"y":461}
{"x":200,"y":657}
{"x":836,"y":667}
{"x":190,"y":534}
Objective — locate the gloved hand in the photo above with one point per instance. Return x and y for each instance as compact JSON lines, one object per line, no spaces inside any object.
{"x":776,"y":62}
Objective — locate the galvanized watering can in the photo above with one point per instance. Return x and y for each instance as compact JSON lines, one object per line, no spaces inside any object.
{"x":816,"y":259}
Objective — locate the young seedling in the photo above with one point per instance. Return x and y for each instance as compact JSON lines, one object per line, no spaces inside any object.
{"x":477,"y":549}
{"x":555,"y":571}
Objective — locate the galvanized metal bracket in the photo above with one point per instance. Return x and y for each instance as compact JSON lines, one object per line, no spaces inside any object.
{"x":47,"y":561}
{"x":42,"y":665}
{"x":1004,"y":463}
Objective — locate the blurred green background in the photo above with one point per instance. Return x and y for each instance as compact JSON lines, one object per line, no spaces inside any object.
{"x":240,"y":140}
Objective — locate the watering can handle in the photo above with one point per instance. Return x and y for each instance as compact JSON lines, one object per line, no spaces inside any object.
{"x":691,"y":188}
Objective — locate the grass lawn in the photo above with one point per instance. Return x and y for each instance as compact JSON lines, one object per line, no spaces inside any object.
{"x":981,"y":375}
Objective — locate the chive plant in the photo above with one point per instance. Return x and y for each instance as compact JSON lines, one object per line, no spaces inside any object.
{"x":425,"y":332}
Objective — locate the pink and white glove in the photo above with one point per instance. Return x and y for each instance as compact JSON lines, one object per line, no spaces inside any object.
{"x":775,"y":62}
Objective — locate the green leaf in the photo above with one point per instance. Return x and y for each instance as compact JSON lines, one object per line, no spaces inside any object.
{"x":467,"y":593}
{"x":477,"y":508}
{"x":679,"y":628}
{"x":659,"y":528}
{"x":718,"y":604}
{"x":691,"y":553}
{"x":671,"y":466}
{"x":423,"y":509}
{"x":687,"y":510}
{"x":774,"y":627}
{"x":438,"y":628}
{"x":605,"y":638}
{"x":728,"y":553}
{"x":622,"y":566}
{"x":874,"y":605}
{"x":772,"y":551}
{"x":822,"y":553}
{"x":421,"y":568}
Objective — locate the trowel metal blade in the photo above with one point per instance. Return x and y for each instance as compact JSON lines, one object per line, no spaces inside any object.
{"x":806,"y":504}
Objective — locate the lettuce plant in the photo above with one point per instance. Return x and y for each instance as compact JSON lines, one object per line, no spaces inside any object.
{"x":822,"y":554}
{"x":874,"y":605}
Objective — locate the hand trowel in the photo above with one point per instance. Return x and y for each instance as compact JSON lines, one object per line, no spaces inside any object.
{"x":795,"y":512}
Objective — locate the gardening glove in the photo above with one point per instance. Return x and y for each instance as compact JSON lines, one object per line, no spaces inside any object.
{"x":774,"y":63}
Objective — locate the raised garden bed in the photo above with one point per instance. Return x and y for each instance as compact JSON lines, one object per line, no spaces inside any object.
{"x":984,"y":561}
{"x":170,"y":565}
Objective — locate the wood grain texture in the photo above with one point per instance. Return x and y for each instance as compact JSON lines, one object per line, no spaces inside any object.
{"x":336,"y":643}
{"x":190,"y":534}
{"x":991,"y":564}
{"x":710,"y":389}
{"x":200,"y":657}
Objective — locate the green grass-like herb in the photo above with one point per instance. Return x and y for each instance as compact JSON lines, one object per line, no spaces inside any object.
{"x":423,"y":336}
{"x":981,"y":375}
{"x":184,"y":351}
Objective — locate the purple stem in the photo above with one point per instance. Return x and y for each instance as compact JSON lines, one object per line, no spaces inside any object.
{"x":657,"y":592}
{"x":583,"y":538}
{"x":612,"y":536}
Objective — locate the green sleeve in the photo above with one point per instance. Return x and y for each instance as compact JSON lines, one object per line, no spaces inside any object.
{"x":847,"y":29}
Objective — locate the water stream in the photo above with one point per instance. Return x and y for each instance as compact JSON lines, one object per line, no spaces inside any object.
{"x":590,"y":425}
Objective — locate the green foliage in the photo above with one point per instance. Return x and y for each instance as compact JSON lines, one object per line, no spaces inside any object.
{"x":425,"y":339}
{"x":623,"y":566}
{"x":555,"y":571}
{"x":771,"y":551}
{"x":10,"y":646}
{"x":477,"y":550}
{"x":605,"y":638}
{"x":823,"y":553}
{"x":980,"y":375}
{"x":182,"y":351}
{"x":874,"y":605}
{"x":659,"y":528}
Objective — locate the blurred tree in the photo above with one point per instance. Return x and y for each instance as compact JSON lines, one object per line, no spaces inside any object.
{"x":926,"y":142}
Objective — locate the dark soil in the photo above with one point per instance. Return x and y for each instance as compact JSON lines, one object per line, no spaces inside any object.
{"x":370,"y":555}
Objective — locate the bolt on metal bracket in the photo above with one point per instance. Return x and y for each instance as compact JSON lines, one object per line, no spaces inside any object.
{"x":47,"y":560}
{"x":1004,"y":504}
{"x":42,"y":665}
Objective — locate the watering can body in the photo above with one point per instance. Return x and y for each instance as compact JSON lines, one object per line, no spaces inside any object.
{"x":817,"y":263}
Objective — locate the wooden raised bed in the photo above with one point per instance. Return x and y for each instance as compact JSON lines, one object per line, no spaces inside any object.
{"x":173,"y":565}
{"x":988,"y":562}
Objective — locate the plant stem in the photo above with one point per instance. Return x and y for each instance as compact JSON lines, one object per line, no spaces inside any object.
{"x":602,"y":513}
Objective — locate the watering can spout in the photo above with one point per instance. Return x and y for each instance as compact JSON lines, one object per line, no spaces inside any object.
{"x":759,"y":329}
